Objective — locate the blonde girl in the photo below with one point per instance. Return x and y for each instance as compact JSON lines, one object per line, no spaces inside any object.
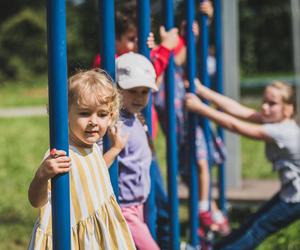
{"x":96,"y":219}
{"x":275,"y":124}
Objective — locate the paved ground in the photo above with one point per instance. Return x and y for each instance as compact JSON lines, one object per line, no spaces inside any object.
{"x":250,"y":191}
{"x":23,"y":111}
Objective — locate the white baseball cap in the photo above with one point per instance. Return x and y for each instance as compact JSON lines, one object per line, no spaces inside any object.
{"x":135,"y":70}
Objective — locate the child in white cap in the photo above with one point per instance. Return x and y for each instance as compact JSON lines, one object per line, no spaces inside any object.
{"x":135,"y":76}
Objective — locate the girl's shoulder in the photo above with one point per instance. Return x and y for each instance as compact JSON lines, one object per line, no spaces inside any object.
{"x":285,"y":130}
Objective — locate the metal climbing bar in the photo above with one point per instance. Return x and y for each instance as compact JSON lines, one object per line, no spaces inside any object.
{"x":219,"y":86}
{"x":171,"y":137}
{"x":58,"y":119}
{"x":204,"y":77}
{"x":193,"y":170}
{"x":143,"y":14}
{"x":107,"y":52}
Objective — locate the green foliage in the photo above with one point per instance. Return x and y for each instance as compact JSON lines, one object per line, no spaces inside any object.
{"x":23,"y":47}
{"x":265,"y":26}
{"x":83,"y":35}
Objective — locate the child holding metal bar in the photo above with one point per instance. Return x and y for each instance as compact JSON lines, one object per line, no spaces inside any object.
{"x":96,"y":219}
{"x":275,"y":124}
{"x":126,"y":41}
{"x":209,"y":220}
{"x":135,"y":76}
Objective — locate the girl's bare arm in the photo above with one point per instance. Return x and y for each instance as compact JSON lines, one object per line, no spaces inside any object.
{"x":229,"y":122}
{"x":118,"y":142}
{"x":228,"y":105}
{"x":38,"y":192}
{"x":56,"y":163}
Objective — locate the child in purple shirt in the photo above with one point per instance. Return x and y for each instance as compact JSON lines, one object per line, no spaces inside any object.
{"x":135,"y":76}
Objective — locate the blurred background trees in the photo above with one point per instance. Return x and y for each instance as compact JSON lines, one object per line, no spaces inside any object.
{"x":265,"y":36}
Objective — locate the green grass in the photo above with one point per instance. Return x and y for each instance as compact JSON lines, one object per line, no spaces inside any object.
{"x":23,"y":142}
{"x":23,"y":94}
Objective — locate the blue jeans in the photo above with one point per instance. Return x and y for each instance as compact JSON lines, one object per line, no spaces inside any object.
{"x":270,"y":218}
{"x":160,"y":211}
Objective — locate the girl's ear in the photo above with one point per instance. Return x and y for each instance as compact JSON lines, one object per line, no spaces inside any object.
{"x":288,"y":111}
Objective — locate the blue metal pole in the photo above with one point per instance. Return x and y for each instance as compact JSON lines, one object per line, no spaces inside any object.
{"x":171,"y":137}
{"x":107,"y":52}
{"x":204,"y":76}
{"x":193,"y":173}
{"x":143,"y":14}
{"x":219,"y":84}
{"x":58,"y":112}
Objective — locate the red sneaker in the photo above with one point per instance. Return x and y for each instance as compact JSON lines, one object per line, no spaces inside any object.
{"x":206,"y":221}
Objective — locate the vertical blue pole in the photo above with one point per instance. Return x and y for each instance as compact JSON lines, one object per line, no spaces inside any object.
{"x":205,"y":81}
{"x":171,"y":137}
{"x":143,"y":14}
{"x":219,"y":84}
{"x":193,"y":173}
{"x":107,"y":52}
{"x":58,"y":112}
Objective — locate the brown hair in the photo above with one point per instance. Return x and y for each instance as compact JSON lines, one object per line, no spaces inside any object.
{"x":125,"y":22}
{"x":287,"y":93}
{"x":94,"y":87}
{"x":142,"y":120}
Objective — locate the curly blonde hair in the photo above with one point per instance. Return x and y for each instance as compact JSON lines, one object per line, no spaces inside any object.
{"x":94,"y":87}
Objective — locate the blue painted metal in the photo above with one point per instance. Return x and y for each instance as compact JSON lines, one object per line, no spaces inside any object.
{"x":58,"y":112}
{"x":219,"y":85}
{"x":171,"y":137}
{"x":193,"y":169}
{"x":143,"y":15}
{"x":204,"y":77}
{"x":107,"y":52}
{"x":143,"y":33}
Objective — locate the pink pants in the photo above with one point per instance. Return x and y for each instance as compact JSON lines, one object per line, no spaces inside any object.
{"x":142,"y":238}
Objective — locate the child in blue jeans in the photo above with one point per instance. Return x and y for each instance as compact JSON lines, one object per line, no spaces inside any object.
{"x":209,"y":220}
{"x":275,"y":125}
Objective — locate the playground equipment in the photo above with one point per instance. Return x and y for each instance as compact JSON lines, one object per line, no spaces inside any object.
{"x":58,"y":113}
{"x":58,"y":108}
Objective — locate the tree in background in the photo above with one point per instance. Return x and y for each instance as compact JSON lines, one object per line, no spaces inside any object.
{"x":265,"y":36}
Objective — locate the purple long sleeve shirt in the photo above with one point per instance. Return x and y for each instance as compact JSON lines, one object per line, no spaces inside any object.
{"x":134,"y":162}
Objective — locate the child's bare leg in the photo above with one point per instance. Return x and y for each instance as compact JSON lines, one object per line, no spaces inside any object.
{"x":203,"y":205}
{"x":204,"y":181}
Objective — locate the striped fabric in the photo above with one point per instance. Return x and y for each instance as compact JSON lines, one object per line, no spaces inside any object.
{"x":96,"y":219}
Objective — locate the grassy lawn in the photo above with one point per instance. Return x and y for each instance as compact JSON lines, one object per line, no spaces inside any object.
{"x":22,"y":145}
{"x":24,"y":94}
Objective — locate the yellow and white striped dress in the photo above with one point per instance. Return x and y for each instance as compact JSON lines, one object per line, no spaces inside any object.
{"x":96,"y":218}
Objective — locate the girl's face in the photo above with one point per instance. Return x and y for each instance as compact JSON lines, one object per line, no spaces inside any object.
{"x":87,"y":124}
{"x":273,"y":107}
{"x":135,"y":99}
{"x":127,"y":43}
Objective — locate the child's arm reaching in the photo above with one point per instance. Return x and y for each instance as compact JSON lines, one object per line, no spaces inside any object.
{"x":227,"y":104}
{"x":160,"y":54}
{"x":118,"y":143}
{"x":207,"y":8}
{"x":194,"y":104}
{"x":56,"y":163}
